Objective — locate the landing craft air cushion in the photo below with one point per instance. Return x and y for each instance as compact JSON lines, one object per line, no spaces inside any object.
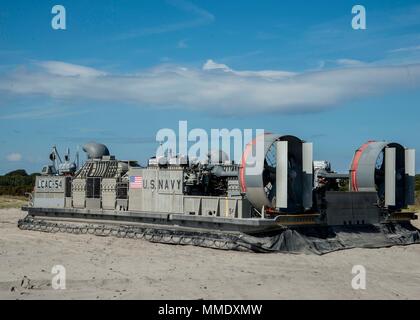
{"x":219,"y":203}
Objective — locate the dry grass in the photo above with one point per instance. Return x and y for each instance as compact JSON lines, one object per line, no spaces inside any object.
{"x":416,"y":207}
{"x":12,"y":202}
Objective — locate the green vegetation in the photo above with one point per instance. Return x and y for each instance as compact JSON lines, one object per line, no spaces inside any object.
{"x":17,"y":183}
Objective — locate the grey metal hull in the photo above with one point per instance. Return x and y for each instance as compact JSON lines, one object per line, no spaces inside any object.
{"x":167,"y":219}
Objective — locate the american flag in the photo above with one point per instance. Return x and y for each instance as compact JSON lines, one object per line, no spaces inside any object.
{"x":136,"y":182}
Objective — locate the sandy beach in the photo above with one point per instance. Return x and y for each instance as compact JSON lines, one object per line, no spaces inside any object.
{"x":112,"y":268}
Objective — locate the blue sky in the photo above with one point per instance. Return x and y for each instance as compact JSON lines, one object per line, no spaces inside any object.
{"x":122,"y":70}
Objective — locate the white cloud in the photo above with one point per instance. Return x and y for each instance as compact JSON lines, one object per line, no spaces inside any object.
{"x":43,"y":113}
{"x":406,"y":49}
{"x":350,"y":63}
{"x":215,"y":87}
{"x":200,"y":17}
{"x":66,"y":69}
{"x":14,"y":157}
{"x":211,"y":65}
{"x":268,"y":74}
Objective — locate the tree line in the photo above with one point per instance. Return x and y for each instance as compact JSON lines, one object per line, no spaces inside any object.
{"x":17,"y":183}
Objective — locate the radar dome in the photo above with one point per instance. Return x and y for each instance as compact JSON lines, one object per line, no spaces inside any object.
{"x":95,"y":150}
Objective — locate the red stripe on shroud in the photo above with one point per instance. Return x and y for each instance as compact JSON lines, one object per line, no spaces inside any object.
{"x":355,"y":165}
{"x":245,"y":155}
